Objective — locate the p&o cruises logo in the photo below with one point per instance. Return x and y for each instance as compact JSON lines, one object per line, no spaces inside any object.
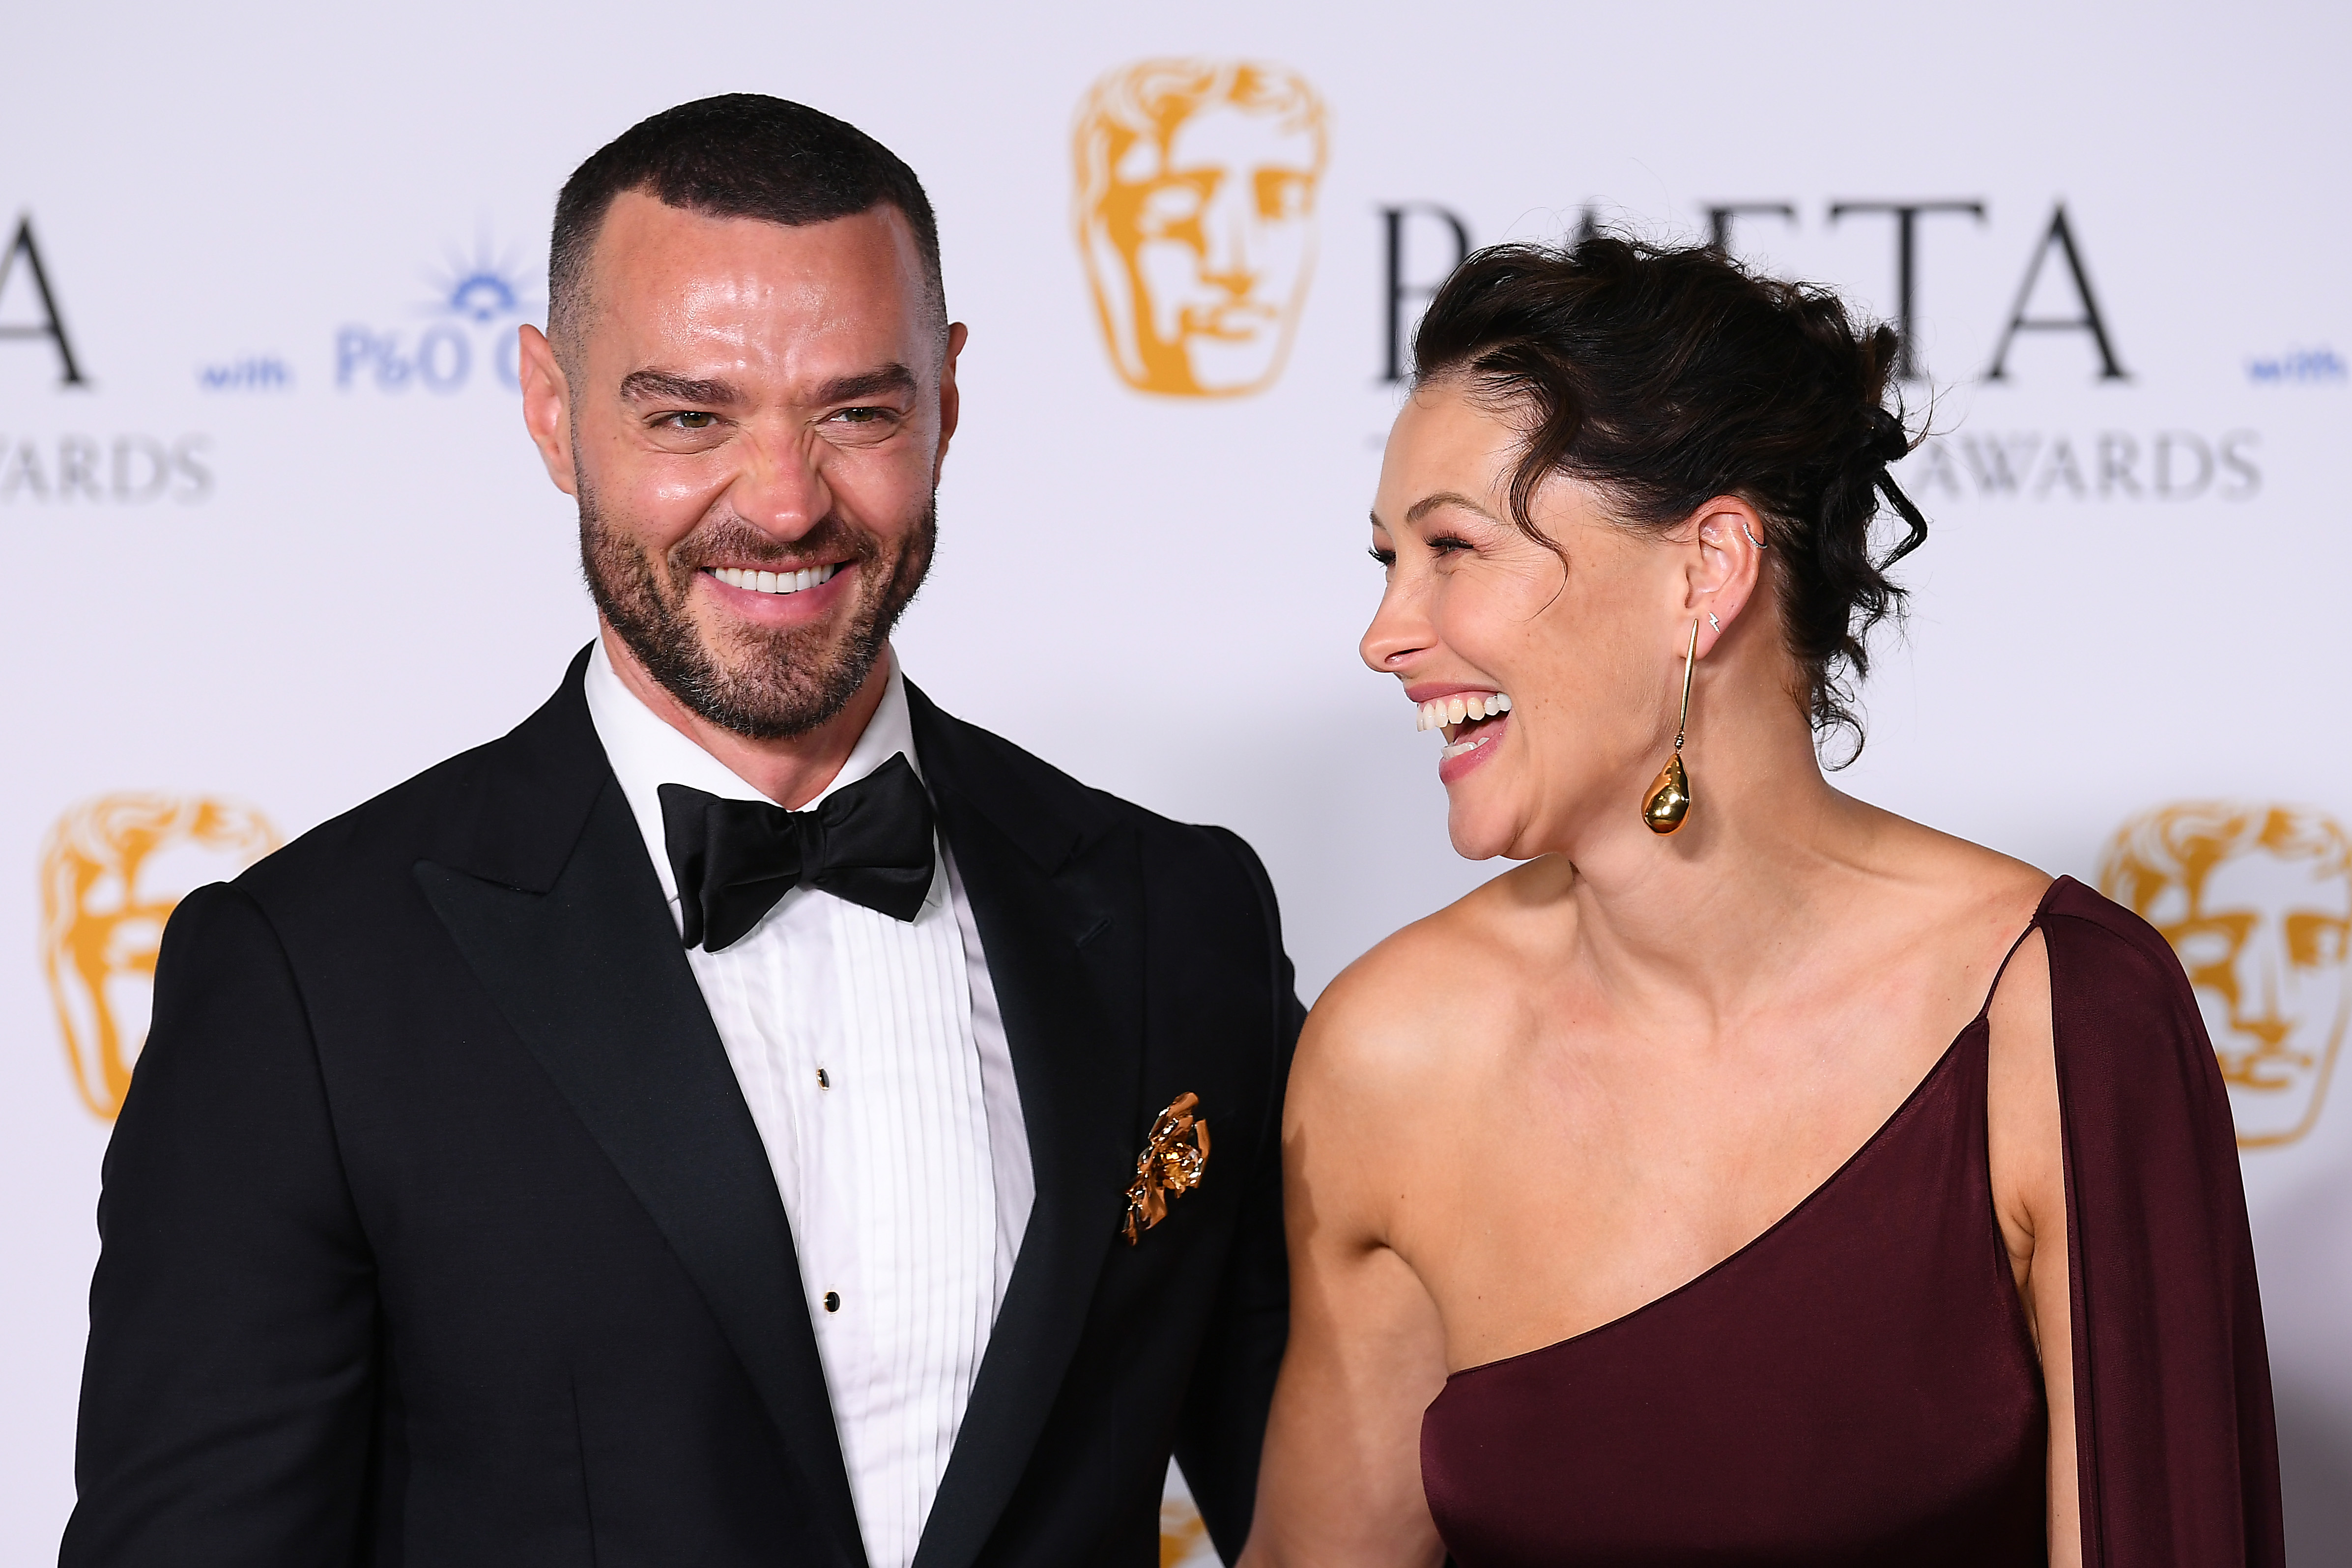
{"x":2256,"y":900}
{"x":1195,"y":211}
{"x":476,"y":305}
{"x":112,"y":870}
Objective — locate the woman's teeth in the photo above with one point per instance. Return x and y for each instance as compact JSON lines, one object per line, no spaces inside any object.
{"x":1463,"y":747}
{"x":772,"y":582}
{"x":1439,"y":712}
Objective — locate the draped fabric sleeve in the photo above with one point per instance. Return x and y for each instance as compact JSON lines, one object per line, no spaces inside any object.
{"x":2178,"y":1456}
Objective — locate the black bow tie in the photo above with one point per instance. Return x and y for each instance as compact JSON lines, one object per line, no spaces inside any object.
{"x":869,"y":842}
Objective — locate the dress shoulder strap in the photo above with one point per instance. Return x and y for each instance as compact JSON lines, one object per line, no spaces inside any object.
{"x":2032,"y":926}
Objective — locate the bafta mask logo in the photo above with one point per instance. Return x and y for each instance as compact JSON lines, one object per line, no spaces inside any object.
{"x":2257,"y":901}
{"x":1183,"y":1535}
{"x":1196,"y":183}
{"x":111,"y":871}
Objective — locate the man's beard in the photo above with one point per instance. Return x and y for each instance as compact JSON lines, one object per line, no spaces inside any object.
{"x":762,"y":683}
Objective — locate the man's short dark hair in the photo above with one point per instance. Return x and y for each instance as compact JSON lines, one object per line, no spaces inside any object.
{"x":740,"y":155}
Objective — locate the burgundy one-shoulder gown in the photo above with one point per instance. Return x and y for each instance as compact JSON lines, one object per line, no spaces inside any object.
{"x":1859,"y":1384}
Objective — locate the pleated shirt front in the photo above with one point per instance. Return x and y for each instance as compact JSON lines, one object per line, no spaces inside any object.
{"x":873,"y":1060}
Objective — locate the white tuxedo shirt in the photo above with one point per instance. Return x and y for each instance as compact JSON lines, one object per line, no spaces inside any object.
{"x":873,"y":1060}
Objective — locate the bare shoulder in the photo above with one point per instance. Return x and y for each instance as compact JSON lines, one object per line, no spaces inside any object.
{"x":1373,"y":1022}
{"x":2023,"y":1136}
{"x":1979,"y":906}
{"x":2018,"y":1008}
{"x":1979,"y":899}
{"x":1374,"y":1058}
{"x":1383,"y":1014}
{"x":1987,"y":903}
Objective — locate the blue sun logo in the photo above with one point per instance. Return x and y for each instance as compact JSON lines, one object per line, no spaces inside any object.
{"x":484,"y":287}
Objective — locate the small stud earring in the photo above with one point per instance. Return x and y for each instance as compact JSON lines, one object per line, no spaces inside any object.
{"x":1713,"y":622}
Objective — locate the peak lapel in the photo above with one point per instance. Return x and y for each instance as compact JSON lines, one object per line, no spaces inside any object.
{"x":591,"y":975}
{"x":1063,"y":946}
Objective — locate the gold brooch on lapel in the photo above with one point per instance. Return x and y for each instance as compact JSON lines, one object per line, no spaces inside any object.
{"x":1171,"y":1164}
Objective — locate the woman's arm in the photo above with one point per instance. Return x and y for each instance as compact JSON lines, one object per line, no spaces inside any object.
{"x":2029,"y":1179}
{"x":2170,"y":1398}
{"x":1340,"y":1481}
{"x":2115,"y":1175}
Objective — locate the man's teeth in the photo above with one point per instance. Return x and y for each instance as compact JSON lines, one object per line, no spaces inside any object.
{"x":1439,"y":712}
{"x":772,"y":582}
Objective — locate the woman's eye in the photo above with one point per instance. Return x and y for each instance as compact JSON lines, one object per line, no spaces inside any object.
{"x":1387,"y":558}
{"x":1446,"y":544}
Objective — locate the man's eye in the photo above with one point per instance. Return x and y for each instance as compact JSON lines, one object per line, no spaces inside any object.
{"x":861,"y":416}
{"x":692,"y":419}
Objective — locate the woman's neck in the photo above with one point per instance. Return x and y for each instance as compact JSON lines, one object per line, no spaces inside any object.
{"x":1769,"y":855}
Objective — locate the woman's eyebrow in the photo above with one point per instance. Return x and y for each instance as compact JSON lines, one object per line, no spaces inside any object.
{"x":1429,"y":504}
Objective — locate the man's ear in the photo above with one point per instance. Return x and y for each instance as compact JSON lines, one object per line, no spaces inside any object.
{"x":950,"y":399}
{"x":547,"y":408}
{"x":1725,"y":567}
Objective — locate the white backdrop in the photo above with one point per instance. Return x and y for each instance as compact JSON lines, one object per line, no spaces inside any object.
{"x":283,"y":542}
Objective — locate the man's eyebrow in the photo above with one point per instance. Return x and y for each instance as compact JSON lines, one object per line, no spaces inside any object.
{"x":660,"y":386}
{"x":889,"y":378}
{"x":1429,"y":504}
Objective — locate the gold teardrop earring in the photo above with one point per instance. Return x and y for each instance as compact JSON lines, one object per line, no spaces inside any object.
{"x":1668,"y":803}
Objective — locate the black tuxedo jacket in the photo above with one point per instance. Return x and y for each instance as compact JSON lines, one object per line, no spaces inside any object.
{"x":436,"y":1231}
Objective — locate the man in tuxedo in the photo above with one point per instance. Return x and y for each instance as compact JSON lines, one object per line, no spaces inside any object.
{"x":709,"y":1124}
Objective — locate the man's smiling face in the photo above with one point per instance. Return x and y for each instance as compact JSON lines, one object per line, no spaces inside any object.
{"x":755,"y":417}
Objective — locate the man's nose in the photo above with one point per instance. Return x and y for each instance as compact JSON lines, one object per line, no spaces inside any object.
{"x":781,"y":488}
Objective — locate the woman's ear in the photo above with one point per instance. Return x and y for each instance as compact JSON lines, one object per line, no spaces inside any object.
{"x":1725,"y":568}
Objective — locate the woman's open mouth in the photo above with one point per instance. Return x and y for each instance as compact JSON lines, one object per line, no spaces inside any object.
{"x":1468,"y":719}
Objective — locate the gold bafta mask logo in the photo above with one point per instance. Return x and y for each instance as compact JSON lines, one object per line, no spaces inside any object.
{"x":1183,"y":1535}
{"x":111,"y":871}
{"x":2257,"y":901}
{"x":1196,"y":183}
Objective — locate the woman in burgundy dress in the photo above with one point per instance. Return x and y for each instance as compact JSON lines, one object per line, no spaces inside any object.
{"x":1750,"y":1175}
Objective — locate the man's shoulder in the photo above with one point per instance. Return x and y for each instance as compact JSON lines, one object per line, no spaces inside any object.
{"x":1054,"y":812}
{"x":405,"y":823}
{"x":508,"y":810}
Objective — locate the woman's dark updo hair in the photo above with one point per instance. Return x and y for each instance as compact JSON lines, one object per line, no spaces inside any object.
{"x":1663,"y":378}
